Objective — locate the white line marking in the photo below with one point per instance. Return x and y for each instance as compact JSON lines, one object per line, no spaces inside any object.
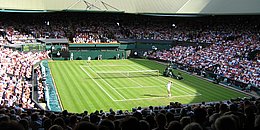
{"x":181,"y":85}
{"x":137,"y":87}
{"x":113,"y":65}
{"x":126,"y":71}
{"x":172,"y":82}
{"x":107,"y":84}
{"x":140,"y":85}
{"x":176,"y":87}
{"x":123,"y":72}
{"x":136,"y":99}
{"x":138,"y":70}
{"x":98,"y":84}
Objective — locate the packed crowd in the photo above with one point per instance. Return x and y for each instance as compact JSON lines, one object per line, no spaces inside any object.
{"x":202,"y":31}
{"x":230,"y":46}
{"x":231,"y":57}
{"x":9,"y":35}
{"x":107,"y":28}
{"x":235,"y":114}
{"x":19,"y":38}
{"x":77,"y":29}
{"x":15,"y":76}
{"x":39,"y":83}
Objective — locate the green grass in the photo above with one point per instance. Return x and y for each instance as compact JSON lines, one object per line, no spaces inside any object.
{"x":81,"y":88}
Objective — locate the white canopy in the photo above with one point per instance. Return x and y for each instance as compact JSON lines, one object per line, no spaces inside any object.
{"x":138,"y":6}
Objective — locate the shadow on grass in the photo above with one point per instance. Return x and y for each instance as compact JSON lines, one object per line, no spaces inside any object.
{"x":154,"y":95}
{"x":208,"y":90}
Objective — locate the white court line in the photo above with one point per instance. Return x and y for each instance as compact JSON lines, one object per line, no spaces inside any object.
{"x":181,"y":85}
{"x":172,"y":82}
{"x":125,"y":76}
{"x":137,"y":87}
{"x":176,"y":87}
{"x":113,"y":65}
{"x":136,"y":99}
{"x":98,"y":84}
{"x":134,"y":82}
{"x":173,"y":87}
{"x":132,"y":79}
{"x":108,"y":84}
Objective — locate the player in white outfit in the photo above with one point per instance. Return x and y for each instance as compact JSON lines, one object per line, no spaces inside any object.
{"x":169,"y":84}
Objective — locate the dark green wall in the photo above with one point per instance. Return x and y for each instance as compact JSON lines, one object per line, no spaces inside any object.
{"x":129,"y":46}
{"x":94,"y":54}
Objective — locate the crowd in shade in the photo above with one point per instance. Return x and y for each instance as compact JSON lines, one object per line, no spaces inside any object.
{"x":77,"y":29}
{"x":235,"y":114}
{"x":107,"y":28}
{"x":10,"y":36}
{"x":15,"y":76}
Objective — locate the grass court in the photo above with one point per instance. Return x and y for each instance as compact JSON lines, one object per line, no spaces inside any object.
{"x":124,"y":84}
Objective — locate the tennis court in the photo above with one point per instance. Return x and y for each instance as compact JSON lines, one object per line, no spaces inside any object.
{"x":124,"y":84}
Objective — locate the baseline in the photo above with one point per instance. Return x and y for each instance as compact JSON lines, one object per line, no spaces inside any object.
{"x":137,"y":87}
{"x":113,"y":65}
{"x":137,"y":99}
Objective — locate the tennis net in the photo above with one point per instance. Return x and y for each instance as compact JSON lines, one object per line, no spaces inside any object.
{"x":128,"y":74}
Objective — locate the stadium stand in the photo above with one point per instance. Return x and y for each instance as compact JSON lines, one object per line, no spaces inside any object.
{"x":229,"y":48}
{"x":231,"y":58}
{"x":16,"y":70}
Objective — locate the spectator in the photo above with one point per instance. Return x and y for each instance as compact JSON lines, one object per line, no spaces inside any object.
{"x":160,"y":121}
{"x":107,"y":124}
{"x":193,"y":126}
{"x":130,"y":123}
{"x":85,"y":126}
{"x":174,"y":125}
{"x":144,"y":125}
{"x":55,"y":127}
{"x":226,"y":123}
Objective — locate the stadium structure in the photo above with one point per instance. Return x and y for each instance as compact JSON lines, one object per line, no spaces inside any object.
{"x":107,"y":64}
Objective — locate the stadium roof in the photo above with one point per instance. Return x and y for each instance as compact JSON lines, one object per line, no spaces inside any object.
{"x":135,"y":6}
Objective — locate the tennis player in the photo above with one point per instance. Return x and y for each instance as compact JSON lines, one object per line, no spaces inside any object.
{"x":71,"y":56}
{"x":169,"y":84}
{"x":89,"y":59}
